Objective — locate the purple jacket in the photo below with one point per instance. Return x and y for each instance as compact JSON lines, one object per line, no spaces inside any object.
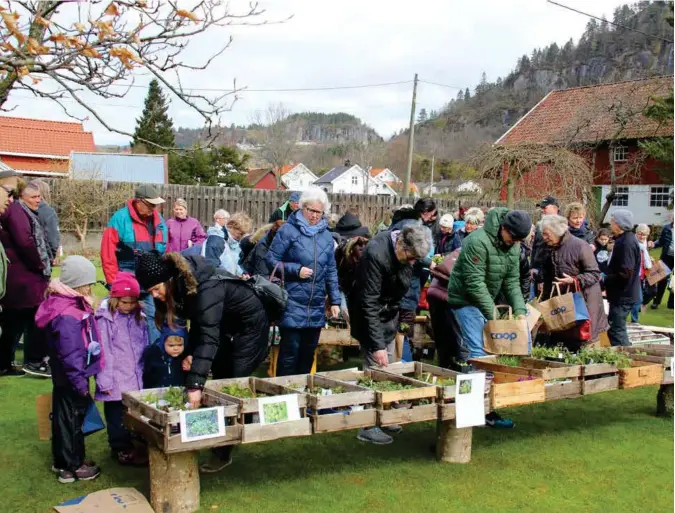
{"x":70,"y":328}
{"x":26,"y":282}
{"x":181,"y":231}
{"x":124,"y":340}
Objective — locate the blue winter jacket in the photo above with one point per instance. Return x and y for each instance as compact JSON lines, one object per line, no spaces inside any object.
{"x":295,"y":248}
{"x":160,"y":369}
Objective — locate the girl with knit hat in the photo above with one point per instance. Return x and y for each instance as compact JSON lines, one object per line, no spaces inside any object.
{"x":67,"y":318}
{"x":124,"y":336}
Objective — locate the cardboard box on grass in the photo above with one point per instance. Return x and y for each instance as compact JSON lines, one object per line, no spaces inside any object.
{"x":112,"y":500}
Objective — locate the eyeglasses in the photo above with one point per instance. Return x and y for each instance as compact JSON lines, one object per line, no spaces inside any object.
{"x":314,"y":212}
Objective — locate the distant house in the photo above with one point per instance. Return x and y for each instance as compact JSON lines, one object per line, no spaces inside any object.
{"x":448,"y":186}
{"x":603,"y":123}
{"x":352,"y":179}
{"x":384,"y":174}
{"x":36,"y":147}
{"x":263,"y":178}
{"x":297,"y":177}
{"x":119,"y":167}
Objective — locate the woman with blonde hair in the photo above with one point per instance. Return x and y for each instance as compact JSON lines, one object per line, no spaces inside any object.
{"x":222,"y":246}
{"x":578,"y":225}
{"x":184,"y":231}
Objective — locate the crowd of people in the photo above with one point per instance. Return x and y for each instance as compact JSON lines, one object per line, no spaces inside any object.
{"x":181,"y":308}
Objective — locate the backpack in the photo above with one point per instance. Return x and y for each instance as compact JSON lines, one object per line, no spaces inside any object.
{"x":272,"y":296}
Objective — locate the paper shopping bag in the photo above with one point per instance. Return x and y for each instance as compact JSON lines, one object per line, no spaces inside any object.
{"x":563,"y":311}
{"x":43,"y":407}
{"x":506,"y":336}
{"x":532,"y":316}
{"x":658,"y":272}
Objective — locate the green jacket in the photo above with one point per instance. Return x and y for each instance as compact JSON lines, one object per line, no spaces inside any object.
{"x":485,"y":267}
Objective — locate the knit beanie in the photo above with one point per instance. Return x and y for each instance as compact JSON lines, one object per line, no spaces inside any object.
{"x":518,"y":223}
{"x":624,"y":218}
{"x":125,"y":285}
{"x":77,"y":271}
{"x":152,"y":268}
{"x":447,"y":221}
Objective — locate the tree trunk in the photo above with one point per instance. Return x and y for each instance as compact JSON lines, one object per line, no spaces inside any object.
{"x":510,"y":190}
{"x":664,"y":401}
{"x":174,"y":481}
{"x":453,"y":445}
{"x":612,"y":187}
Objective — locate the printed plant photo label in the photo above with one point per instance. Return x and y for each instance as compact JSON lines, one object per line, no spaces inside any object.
{"x":202,"y":424}
{"x":280,"y":408}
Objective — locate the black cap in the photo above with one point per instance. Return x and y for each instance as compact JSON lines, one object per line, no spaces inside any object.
{"x":548,"y":200}
{"x":518,"y":223}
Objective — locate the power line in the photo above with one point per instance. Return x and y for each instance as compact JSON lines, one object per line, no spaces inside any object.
{"x":441,"y":85}
{"x":610,"y":22}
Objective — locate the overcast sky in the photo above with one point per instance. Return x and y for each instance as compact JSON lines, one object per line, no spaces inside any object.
{"x":354,"y":42}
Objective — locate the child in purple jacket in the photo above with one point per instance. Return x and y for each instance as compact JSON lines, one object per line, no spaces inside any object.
{"x":124,"y":336}
{"x":75,"y":354}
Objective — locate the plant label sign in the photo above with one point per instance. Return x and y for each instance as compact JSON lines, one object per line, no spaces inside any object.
{"x":469,"y":401}
{"x":279,"y":408}
{"x":202,"y":424}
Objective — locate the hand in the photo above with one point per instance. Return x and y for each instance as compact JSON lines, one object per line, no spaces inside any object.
{"x":540,"y":288}
{"x":650,"y":244}
{"x":245,"y":276}
{"x":432,"y":266}
{"x":335,"y":311}
{"x":521,"y":317}
{"x":381,"y":357}
{"x":186,"y":365}
{"x":305,"y":273}
{"x":593,"y":248}
{"x":565,"y":280}
{"x":194,"y":398}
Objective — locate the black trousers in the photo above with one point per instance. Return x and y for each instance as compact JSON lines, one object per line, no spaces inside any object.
{"x":661,"y":286}
{"x":15,"y":324}
{"x":68,"y":410}
{"x":445,"y":337}
{"x":119,"y":439}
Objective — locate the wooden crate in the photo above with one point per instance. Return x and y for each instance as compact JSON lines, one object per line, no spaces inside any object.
{"x":161,"y":428}
{"x":422,"y":398}
{"x":640,"y":374}
{"x":656,"y":353}
{"x":355,"y":407}
{"x":599,"y":377}
{"x":253,"y":431}
{"x":515,"y":390}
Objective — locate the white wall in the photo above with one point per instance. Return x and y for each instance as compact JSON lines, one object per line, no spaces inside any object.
{"x":638,"y":204}
{"x":299,"y":179}
{"x":344,"y":184}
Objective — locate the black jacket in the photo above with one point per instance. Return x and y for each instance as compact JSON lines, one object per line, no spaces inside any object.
{"x":282,"y":213}
{"x":380,"y":284}
{"x":525,"y":276}
{"x":539,"y":251}
{"x":584,"y":233}
{"x":160,"y":370}
{"x":446,"y":244}
{"x":602,"y":257}
{"x":665,"y":239}
{"x":350,"y":226}
{"x":255,"y":262}
{"x":622,"y":282}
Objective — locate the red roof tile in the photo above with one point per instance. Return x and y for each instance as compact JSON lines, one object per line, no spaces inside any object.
{"x":374,"y":171}
{"x":593,"y":114}
{"x":38,"y":137}
{"x":287,"y":168}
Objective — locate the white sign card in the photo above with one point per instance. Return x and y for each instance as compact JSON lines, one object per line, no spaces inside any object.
{"x":279,"y":408}
{"x":672,"y":368}
{"x":202,"y":424}
{"x":469,"y":400}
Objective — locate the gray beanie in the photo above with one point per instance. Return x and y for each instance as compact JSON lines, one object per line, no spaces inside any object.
{"x":624,"y":218}
{"x":77,"y":271}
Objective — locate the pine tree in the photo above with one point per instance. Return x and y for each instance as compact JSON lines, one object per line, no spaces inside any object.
{"x":422,"y":116}
{"x":154,"y":125}
{"x":460,"y":95}
{"x":467,"y":94}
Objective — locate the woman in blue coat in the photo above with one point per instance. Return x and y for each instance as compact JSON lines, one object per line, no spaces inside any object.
{"x":304,"y":248}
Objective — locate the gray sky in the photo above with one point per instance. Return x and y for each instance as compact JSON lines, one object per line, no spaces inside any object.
{"x":353,"y":42}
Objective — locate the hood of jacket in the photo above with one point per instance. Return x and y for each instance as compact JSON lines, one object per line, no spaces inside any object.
{"x":167,"y":331}
{"x":217,"y":231}
{"x":348,"y":222}
{"x":493,"y":220}
{"x":56,"y":305}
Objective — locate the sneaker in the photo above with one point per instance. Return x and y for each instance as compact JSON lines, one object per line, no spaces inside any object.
{"x":86,"y":462}
{"x":393,"y":429}
{"x":216,"y":464}
{"x":87,"y":472}
{"x":66,"y":476}
{"x":41,"y":369}
{"x":493,"y":419}
{"x":375,"y":436}
{"x":12,"y":371}
{"x":655,"y":307}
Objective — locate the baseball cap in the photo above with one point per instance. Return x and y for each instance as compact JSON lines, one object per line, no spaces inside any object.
{"x":548,"y":200}
{"x":148,"y":193}
{"x":9,"y":173}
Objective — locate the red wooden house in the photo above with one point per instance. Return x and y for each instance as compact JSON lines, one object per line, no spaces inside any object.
{"x":263,"y":178}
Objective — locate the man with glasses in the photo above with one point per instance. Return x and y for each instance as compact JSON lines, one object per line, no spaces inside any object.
{"x":134,"y":229}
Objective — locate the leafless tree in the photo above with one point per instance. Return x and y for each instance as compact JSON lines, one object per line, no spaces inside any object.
{"x":276,"y":135}
{"x":367,"y":155}
{"x":67,"y":51}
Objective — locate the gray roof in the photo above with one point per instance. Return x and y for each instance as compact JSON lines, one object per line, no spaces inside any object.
{"x":118,"y":167}
{"x":334,"y":173}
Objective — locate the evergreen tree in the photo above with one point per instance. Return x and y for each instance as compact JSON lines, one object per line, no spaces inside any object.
{"x":154,"y":125}
{"x":467,"y":94}
{"x":460,"y":95}
{"x":422,"y":116}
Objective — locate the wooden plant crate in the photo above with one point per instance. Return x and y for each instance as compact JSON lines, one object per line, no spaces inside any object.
{"x":599,"y":377}
{"x":656,"y":353}
{"x":253,"y":431}
{"x":640,"y":374}
{"x":161,"y":428}
{"x":515,"y":390}
{"x":355,"y":408}
{"x":388,"y":414}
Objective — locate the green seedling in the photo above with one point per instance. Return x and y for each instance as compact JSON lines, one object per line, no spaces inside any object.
{"x":384,"y":386}
{"x":511,"y":361}
{"x":241,"y":392}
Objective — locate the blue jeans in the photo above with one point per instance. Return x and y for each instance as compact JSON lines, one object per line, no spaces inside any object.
{"x":471,"y":322}
{"x":637,"y":308}
{"x":148,"y":306}
{"x":296,"y":350}
{"x":618,"y":335}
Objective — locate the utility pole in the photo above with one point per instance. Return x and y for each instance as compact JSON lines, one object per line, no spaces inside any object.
{"x":431,"y":184}
{"x":411,"y":142}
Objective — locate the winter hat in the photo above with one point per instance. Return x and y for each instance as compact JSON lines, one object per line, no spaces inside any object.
{"x":518,"y":223}
{"x":125,"y":285}
{"x":295,"y":197}
{"x":624,"y":218}
{"x":447,"y":221}
{"x":77,"y":271}
{"x":152,"y":268}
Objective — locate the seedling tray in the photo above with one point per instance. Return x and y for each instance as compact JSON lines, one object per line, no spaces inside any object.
{"x":640,"y":374}
{"x":162,"y":428}
{"x":656,"y":353}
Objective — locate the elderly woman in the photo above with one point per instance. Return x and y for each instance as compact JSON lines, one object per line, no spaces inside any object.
{"x":303,"y":247}
{"x":647,"y":292}
{"x":571,"y":261}
{"x":578,"y":226}
{"x":184,"y":231}
{"x":220,"y":218}
{"x":222,"y":245}
{"x":473,"y":219}
{"x":28,"y":275}
{"x":48,"y":218}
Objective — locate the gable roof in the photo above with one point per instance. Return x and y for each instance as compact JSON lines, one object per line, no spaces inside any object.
{"x":39,"y":137}
{"x":333,"y":174}
{"x":287,"y":168}
{"x":257,"y":174}
{"x":374,"y":171}
{"x":593,"y":113}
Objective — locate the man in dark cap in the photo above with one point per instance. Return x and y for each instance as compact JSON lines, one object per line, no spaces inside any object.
{"x":285,"y":210}
{"x":134,"y":229}
{"x":548,"y":205}
{"x":489,"y":264}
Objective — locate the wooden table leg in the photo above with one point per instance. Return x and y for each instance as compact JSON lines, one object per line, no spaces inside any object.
{"x":174,"y":481}
{"x":664,"y":401}
{"x":453,"y":445}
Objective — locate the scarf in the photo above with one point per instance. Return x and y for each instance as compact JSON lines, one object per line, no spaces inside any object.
{"x":40,"y":241}
{"x":58,"y":287}
{"x":307,"y":229}
{"x":581,"y":232}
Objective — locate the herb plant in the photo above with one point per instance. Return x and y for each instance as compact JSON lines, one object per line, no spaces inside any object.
{"x":511,"y":361}
{"x":384,"y":386}
{"x":241,"y":392}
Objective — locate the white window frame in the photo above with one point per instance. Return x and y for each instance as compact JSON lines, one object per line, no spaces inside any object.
{"x":355,"y":180}
{"x":620,"y":153}
{"x":659,"y":196}
{"x":621,"y":196}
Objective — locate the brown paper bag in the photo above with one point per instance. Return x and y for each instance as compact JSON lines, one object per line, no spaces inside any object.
{"x":658,"y":272}
{"x":43,"y":407}
{"x":508,"y":336}
{"x":558,"y":312}
{"x":532,"y":316}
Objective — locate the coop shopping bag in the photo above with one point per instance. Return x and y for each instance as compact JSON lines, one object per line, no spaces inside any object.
{"x":506,"y":336}
{"x":658,"y":272}
{"x":563,"y":311}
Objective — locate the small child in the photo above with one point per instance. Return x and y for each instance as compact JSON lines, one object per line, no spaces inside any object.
{"x":602,"y":250}
{"x":67,"y":317}
{"x":164,"y":361}
{"x":124,"y":336}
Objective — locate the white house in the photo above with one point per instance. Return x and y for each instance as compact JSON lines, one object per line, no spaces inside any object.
{"x":384,"y":174}
{"x":297,"y":177}
{"x":649,"y":203}
{"x":352,"y":179}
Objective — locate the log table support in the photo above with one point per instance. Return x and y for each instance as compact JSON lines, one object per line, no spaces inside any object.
{"x":453,"y":445}
{"x":664,"y":401}
{"x":174,"y":481}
